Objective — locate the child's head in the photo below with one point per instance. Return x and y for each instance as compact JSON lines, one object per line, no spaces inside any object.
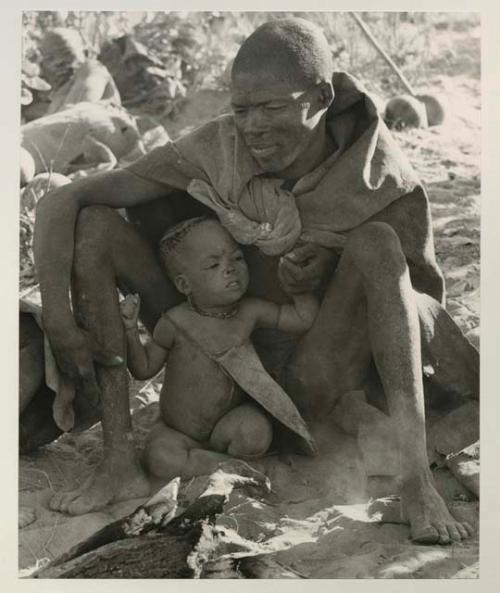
{"x":204,"y":262}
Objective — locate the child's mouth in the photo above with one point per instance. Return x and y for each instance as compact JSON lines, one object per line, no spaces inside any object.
{"x":233,"y":284}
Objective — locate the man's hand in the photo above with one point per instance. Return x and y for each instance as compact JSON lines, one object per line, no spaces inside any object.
{"x":76,"y":352}
{"x":305,"y":268}
{"x":129,"y":309}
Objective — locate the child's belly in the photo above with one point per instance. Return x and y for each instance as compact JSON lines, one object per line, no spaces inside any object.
{"x":196,"y":393}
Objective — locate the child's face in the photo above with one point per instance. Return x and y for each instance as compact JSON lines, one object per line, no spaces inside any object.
{"x":214,"y":271}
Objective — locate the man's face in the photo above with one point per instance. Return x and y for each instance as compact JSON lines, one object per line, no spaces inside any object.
{"x":278,"y":122}
{"x":214,"y":268}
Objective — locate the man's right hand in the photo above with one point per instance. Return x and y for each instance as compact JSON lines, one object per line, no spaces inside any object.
{"x":76,"y":352}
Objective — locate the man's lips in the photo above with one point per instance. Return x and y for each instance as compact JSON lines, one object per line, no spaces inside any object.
{"x":262,"y":150}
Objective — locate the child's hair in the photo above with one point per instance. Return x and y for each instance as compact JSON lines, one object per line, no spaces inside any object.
{"x":171,"y":241}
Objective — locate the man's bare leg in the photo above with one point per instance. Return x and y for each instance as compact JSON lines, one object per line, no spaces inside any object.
{"x":369,"y":310}
{"x":109,"y":251}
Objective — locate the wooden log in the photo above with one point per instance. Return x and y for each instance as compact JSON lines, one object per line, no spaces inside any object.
{"x":151,"y":542}
{"x":158,"y":556}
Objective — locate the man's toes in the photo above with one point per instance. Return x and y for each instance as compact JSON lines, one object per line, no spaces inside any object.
{"x":455,"y":534}
{"x":444,"y":536}
{"x":425,"y":534}
{"x":466,"y":529}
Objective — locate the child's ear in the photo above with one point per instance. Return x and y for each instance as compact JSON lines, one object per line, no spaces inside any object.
{"x":182,"y":284}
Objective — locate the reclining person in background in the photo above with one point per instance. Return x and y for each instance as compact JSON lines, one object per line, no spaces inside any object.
{"x":73,"y":76}
{"x":299,"y":142}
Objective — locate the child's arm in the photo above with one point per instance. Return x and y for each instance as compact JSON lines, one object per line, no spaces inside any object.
{"x":144,"y":360}
{"x":297,"y":317}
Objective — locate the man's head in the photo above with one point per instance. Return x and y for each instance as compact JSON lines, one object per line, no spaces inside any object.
{"x":204,"y":262}
{"x":62,"y":51}
{"x":281,"y":89}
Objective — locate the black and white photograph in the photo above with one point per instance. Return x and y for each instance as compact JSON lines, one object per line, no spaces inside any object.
{"x":249,"y":294}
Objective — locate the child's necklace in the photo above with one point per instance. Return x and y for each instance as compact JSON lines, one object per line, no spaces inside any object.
{"x":217,"y":314}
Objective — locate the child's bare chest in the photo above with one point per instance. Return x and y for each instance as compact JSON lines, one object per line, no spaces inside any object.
{"x":215,"y":336}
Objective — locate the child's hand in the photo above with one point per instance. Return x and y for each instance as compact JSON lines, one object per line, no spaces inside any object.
{"x":129,"y":309}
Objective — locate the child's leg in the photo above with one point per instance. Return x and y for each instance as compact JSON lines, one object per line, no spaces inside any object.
{"x":170,"y":453}
{"x":244,"y":432}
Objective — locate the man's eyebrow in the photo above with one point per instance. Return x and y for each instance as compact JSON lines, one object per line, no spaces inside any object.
{"x":235,"y":105}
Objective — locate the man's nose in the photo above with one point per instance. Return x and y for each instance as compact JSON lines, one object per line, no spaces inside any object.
{"x":255,"y":121}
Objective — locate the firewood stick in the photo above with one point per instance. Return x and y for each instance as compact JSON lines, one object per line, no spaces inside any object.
{"x":382,"y":52}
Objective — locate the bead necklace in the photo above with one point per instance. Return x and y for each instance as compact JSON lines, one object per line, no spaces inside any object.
{"x":216,"y":314}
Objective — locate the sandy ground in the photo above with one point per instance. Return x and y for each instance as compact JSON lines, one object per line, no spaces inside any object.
{"x":321,"y":527}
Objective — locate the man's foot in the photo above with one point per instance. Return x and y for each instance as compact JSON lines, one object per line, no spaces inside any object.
{"x":430,"y":520}
{"x":112,"y":481}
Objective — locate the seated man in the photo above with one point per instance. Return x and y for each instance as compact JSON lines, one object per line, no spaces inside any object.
{"x":206,"y":413}
{"x":287,"y":136}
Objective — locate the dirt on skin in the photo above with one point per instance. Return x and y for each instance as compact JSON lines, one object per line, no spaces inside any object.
{"x":320,"y":525}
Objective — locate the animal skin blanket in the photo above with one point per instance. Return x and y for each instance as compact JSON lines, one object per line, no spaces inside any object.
{"x":365,"y":174}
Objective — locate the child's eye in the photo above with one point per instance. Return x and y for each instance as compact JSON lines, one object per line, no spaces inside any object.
{"x":213,"y":266}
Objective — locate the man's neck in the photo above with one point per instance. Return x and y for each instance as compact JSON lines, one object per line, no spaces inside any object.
{"x":322,"y":148}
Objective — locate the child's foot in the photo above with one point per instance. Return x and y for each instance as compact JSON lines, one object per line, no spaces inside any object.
{"x":112,"y":481}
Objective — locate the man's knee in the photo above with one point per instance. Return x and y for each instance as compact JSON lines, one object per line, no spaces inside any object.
{"x":375,"y":247}
{"x":93,"y":219}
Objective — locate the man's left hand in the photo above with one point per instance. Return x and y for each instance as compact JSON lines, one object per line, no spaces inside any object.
{"x":306,"y":267}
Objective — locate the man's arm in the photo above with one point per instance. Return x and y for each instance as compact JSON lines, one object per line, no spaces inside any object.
{"x":53,"y":245}
{"x":56,"y":217}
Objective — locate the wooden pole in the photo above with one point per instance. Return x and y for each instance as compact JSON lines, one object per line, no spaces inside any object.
{"x":382,"y":52}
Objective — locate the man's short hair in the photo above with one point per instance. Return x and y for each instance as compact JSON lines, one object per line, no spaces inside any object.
{"x":170,"y":243}
{"x":293,"y":50}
